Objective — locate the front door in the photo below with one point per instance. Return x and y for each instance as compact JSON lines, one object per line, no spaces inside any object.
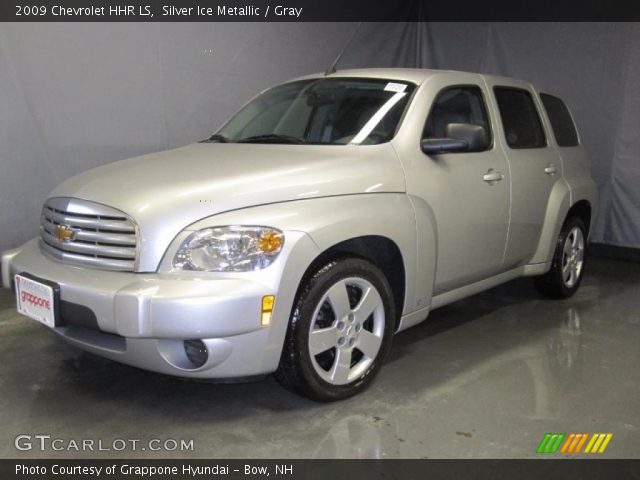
{"x":468,"y":192}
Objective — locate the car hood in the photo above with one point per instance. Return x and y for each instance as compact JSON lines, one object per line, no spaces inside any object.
{"x":165,"y":192}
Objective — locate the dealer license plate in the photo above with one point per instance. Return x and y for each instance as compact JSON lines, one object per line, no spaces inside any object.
{"x":35,"y":300}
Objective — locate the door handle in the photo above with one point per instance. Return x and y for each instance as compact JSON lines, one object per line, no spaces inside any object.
{"x":492,"y":176}
{"x":551,"y":170}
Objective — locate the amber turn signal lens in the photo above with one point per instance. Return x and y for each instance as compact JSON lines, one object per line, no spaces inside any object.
{"x":267,"y":309}
{"x":270,"y":242}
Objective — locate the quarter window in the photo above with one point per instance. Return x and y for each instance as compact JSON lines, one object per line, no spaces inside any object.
{"x":457,"y":105}
{"x":520,"y":119}
{"x":561,"y":122}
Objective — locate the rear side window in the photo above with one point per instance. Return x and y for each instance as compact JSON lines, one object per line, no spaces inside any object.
{"x":561,"y":122}
{"x":520,"y":119}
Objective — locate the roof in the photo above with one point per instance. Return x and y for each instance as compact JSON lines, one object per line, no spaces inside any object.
{"x":414,"y":75}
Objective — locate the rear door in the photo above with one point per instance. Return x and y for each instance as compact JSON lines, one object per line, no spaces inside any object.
{"x":574,"y":163}
{"x":533,"y":164}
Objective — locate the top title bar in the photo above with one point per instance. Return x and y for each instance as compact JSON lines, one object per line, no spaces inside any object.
{"x":314,"y":10}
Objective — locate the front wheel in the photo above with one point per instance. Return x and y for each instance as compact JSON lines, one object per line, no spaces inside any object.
{"x":567,"y":268}
{"x":340,"y":331}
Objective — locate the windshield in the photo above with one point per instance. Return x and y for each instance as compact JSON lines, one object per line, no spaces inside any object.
{"x":332,"y":111}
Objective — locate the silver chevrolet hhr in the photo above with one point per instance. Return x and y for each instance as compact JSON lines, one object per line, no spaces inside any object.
{"x":328,"y":214}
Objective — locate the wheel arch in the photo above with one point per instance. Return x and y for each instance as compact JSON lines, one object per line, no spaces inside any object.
{"x":379,"y":250}
{"x":581,"y":209}
{"x":559,"y":209}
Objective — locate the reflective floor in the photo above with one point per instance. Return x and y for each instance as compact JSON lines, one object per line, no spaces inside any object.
{"x":485,"y":377}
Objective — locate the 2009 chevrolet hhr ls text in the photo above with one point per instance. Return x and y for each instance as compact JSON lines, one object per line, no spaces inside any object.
{"x":329,"y":213}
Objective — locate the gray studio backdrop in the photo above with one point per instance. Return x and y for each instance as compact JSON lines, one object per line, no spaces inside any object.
{"x":74,"y":96}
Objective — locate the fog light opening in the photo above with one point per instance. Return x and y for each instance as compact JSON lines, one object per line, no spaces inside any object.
{"x":196,"y":352}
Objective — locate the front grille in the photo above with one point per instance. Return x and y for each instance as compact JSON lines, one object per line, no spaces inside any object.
{"x":101,"y":236}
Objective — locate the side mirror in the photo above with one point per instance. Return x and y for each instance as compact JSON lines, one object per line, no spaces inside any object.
{"x":461,"y":137}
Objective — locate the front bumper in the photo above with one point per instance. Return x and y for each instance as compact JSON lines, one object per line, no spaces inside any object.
{"x":142,"y":319}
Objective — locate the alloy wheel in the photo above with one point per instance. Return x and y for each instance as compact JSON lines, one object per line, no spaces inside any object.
{"x":346,"y":330}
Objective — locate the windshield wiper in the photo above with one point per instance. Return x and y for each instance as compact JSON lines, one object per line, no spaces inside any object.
{"x":216,"y":137}
{"x":272,"y":138}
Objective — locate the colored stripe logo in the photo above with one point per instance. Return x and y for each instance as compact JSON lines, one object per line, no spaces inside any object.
{"x":550,"y":442}
{"x":598,"y":442}
{"x":573,"y":443}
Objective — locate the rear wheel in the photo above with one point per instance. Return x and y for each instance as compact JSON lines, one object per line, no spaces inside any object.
{"x":340,"y":331}
{"x":567,"y":268}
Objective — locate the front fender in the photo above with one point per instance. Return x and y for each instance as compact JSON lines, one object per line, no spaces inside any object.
{"x":312,"y":226}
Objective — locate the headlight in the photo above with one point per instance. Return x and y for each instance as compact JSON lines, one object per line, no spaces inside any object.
{"x":229,"y":249}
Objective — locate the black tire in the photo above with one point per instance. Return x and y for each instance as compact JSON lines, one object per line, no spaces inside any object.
{"x":303,"y":373}
{"x":554,"y":283}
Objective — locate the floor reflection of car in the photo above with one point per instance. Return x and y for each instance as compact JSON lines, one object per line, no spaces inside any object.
{"x":548,"y":364}
{"x":565,"y":349}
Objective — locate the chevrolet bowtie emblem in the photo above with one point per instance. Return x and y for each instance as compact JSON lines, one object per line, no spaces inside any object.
{"x":65,"y":233}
